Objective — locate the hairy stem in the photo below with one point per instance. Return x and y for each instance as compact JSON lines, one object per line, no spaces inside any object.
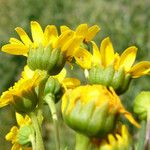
{"x":38,"y":140}
{"x":50,"y":101}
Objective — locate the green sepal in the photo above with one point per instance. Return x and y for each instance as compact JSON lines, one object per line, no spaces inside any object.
{"x":108,"y":74}
{"x":38,"y":57}
{"x":56,"y":62}
{"x":46,"y":58}
{"x":26,"y":103}
{"x":110,"y":77}
{"x":125,"y":84}
{"x":31,"y":59}
{"x":25,"y":134}
{"x":95,"y":75}
{"x":118,"y":78}
{"x":99,"y":75}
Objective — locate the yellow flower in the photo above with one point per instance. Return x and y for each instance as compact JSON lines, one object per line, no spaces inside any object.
{"x":13,"y":134}
{"x":17,"y":47}
{"x":22,"y":94}
{"x":108,"y":68}
{"x":93,"y":110}
{"x":106,"y":57}
{"x":87,"y":33}
{"x":121,"y":140}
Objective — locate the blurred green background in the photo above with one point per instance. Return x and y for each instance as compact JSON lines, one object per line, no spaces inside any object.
{"x":126,"y":22}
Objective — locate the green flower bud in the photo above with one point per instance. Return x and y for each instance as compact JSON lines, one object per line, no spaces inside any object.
{"x":142,"y":105}
{"x":24,"y":135}
{"x":110,"y":77}
{"x":90,"y":121}
{"x":53,"y":87}
{"x":46,"y":58}
{"x":90,"y":110}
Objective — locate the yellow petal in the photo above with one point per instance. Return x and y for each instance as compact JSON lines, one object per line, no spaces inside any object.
{"x":92,"y":31}
{"x":27,"y":119}
{"x":118,"y":137}
{"x":68,"y":44}
{"x":52,"y":30}
{"x":64,"y":37}
{"x":16,"y":146}
{"x":15,"y":49}
{"x":4,"y":102}
{"x":11,"y":136}
{"x":70,"y":83}
{"x":19,"y":119}
{"x":61,"y":75}
{"x":37,"y":32}
{"x":107,"y":52}
{"x":124,"y":132}
{"x":50,"y":34}
{"x":96,"y":60}
{"x":129,"y":117}
{"x":140,"y":69}
{"x":24,"y":37}
{"x":128,"y":57}
{"x":111,"y":139}
{"x":83,"y":58}
{"x":27,"y":73}
{"x":64,"y":28}
{"x":82,"y":30}
{"x":122,"y":109}
{"x":15,"y":41}
{"x":6,"y":98}
{"x":116,"y":61}
{"x":71,"y":45}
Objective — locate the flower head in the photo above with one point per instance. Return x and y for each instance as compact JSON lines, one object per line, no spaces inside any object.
{"x":121,"y":140}
{"x":106,"y":57}
{"x":47,"y":50}
{"x":93,"y":110}
{"x":21,"y":47}
{"x":13,"y":134}
{"x":109,"y":68}
{"x":22,"y":95}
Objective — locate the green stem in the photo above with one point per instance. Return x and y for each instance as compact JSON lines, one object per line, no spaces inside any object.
{"x":82,"y":142}
{"x":32,"y":139}
{"x":40,"y":97}
{"x":39,"y":141}
{"x":147,"y":138}
{"x":142,"y":136}
{"x":49,"y":99}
